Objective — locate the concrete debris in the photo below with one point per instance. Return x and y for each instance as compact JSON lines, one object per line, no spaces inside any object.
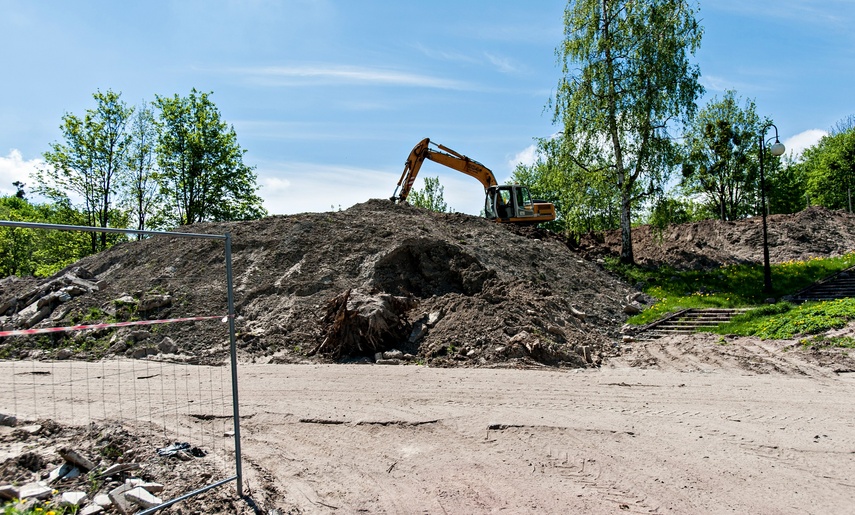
{"x":8,"y":420}
{"x":72,"y":498}
{"x":118,"y":468}
{"x":75,"y":458}
{"x":9,"y":492}
{"x":92,"y":509}
{"x":102,"y":500}
{"x":153,"y":302}
{"x":142,"y":497}
{"x":64,"y":471}
{"x":117,"y":498}
{"x":35,"y":491}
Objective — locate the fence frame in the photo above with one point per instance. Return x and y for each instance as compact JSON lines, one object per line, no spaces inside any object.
{"x":227,"y":238}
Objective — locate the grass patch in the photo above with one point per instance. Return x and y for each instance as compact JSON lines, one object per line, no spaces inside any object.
{"x":784,"y":320}
{"x":845,"y":342}
{"x":725,"y":287}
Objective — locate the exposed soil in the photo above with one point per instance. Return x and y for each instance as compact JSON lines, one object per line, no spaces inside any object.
{"x":476,"y":293}
{"x":814,"y":232}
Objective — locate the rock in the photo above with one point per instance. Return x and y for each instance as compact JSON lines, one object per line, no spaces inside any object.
{"x":9,"y":492}
{"x":64,"y":471}
{"x":393,"y":354}
{"x":92,"y":509}
{"x":378,"y":356}
{"x":167,"y":346}
{"x":142,"y":497}
{"x":628,"y":339}
{"x":82,"y":273}
{"x":35,"y":491}
{"x":8,"y":305}
{"x":634,"y":297}
{"x":154,"y":488}
{"x":138,"y":336}
{"x":770,"y":300}
{"x":64,"y":354}
{"x":72,"y":498}
{"x":419,"y":330}
{"x":632,"y":309}
{"x":152,"y":302}
{"x":32,"y":315}
{"x":102,"y":500}
{"x":143,"y":352}
{"x":8,"y":420}
{"x":117,"y":498}
{"x":388,"y":362}
{"x":578,"y":314}
{"x":433,"y":318}
{"x":125,"y":300}
{"x":75,"y":458}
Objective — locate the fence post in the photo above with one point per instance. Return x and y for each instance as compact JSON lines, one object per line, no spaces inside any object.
{"x":233,"y":349}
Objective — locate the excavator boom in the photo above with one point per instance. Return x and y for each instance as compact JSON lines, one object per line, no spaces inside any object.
{"x":508,"y":203}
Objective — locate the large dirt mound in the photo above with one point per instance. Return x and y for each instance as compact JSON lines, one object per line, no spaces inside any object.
{"x":464,"y":290}
{"x":814,"y":232}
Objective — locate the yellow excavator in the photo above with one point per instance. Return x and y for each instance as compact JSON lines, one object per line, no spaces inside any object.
{"x":509,"y":203}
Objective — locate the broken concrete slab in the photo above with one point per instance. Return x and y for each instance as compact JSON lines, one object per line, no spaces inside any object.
{"x":117,"y":497}
{"x":75,"y":458}
{"x":35,"y":491}
{"x":92,"y":509}
{"x":119,"y":467}
{"x":73,"y":498}
{"x":64,"y":471}
{"x":102,"y":500}
{"x":142,"y":497}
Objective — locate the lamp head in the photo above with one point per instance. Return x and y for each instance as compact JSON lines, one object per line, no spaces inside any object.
{"x":777,"y":148}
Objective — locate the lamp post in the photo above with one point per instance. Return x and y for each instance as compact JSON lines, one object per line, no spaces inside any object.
{"x":776,"y":149}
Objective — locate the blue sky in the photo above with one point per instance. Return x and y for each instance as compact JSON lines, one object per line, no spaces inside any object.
{"x":329,"y":96}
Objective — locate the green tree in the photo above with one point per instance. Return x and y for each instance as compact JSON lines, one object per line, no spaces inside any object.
{"x":202,"y":174}
{"x":721,"y":156}
{"x":584,"y":201}
{"x":431,"y":197}
{"x":39,"y":252}
{"x":90,"y":162}
{"x":829,"y":167}
{"x":627,"y":79}
{"x":140,"y":189}
{"x":786,"y":186}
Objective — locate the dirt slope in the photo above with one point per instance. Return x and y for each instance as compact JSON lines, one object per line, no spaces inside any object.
{"x":813,"y":232}
{"x":482,"y":295}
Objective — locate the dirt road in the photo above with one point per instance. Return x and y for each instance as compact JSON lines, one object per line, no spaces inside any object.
{"x":410,"y":439}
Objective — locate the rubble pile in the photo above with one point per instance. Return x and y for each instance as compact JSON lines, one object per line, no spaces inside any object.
{"x":99,"y":469}
{"x":466,"y":291}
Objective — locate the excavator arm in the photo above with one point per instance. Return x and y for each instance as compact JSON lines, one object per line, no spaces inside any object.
{"x":444,"y":156}
{"x":507,"y":203}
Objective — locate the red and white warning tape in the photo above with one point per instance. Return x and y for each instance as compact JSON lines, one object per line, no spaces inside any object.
{"x":44,"y":330}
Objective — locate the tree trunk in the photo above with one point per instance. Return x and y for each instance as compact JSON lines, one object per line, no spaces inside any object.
{"x":626,"y":255}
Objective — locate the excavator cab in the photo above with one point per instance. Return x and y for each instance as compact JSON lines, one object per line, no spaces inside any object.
{"x":513,"y":203}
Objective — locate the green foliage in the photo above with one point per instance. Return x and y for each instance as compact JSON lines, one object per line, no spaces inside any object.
{"x":39,"y":252}
{"x":584,"y":202}
{"x":140,"y":189}
{"x":627,"y":79}
{"x":725,"y":287}
{"x":202,"y":173}
{"x":14,"y":507}
{"x":431,"y":197}
{"x":90,"y":163}
{"x":786,"y":186}
{"x":784,"y":321}
{"x":821,"y":340}
{"x":721,"y":150}
{"x":829,"y":167}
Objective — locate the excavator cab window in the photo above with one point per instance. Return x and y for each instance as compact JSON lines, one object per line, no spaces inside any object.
{"x":504,"y":207}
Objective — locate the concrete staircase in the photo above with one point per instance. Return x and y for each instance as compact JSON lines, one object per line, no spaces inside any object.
{"x":837,"y":286}
{"x":688,"y":321}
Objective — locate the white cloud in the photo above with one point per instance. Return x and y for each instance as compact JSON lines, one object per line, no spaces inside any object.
{"x":503,"y":64}
{"x":527,"y":156}
{"x":334,"y":74}
{"x":13,"y":168}
{"x":797,"y":144}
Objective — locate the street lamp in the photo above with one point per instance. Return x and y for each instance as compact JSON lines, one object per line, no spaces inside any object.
{"x":777,"y":149}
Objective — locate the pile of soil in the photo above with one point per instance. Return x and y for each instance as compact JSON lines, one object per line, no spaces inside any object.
{"x":814,"y":232}
{"x":469,"y":292}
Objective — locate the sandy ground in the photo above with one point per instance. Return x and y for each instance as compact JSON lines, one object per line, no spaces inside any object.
{"x":411,"y":439}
